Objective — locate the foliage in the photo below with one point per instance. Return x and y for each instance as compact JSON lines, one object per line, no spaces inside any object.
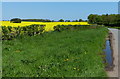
{"x":15,"y":20}
{"x":61,"y":20}
{"x":9,"y":32}
{"x":67,"y":20}
{"x":38,"y":20}
{"x":107,"y":20}
{"x":47,"y":20}
{"x":72,"y":27}
{"x":80,"y":20}
{"x":75,"y":21}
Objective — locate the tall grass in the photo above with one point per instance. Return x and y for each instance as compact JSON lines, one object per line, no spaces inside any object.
{"x":71,"y":53}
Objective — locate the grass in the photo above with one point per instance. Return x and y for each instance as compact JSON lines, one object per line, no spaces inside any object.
{"x":56,"y":54}
{"x":115,"y":27}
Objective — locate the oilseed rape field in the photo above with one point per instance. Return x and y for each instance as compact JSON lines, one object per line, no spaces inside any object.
{"x":49,"y":25}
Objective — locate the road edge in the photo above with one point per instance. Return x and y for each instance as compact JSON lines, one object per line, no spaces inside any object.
{"x":113,"y":39}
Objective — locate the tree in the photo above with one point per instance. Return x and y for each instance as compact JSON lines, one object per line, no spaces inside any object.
{"x":92,"y":18}
{"x":76,"y":21}
{"x":105,"y":19}
{"x":80,"y":20}
{"x":98,"y":19}
{"x":15,"y":20}
{"x":52,"y":21}
{"x":61,"y":20}
{"x":67,"y":20}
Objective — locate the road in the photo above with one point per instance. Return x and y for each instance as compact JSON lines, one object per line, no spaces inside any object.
{"x":115,"y":40}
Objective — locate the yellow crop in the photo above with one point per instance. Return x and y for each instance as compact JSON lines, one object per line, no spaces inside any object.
{"x":49,"y":25}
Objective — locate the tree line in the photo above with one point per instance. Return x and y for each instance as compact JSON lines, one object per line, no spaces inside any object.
{"x":18,"y":20}
{"x":47,"y":20}
{"x":105,"y":19}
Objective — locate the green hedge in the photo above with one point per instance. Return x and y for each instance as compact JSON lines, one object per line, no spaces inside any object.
{"x":10,"y":32}
{"x":72,"y":27}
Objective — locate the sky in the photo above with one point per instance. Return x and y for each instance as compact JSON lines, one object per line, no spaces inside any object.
{"x":56,"y":10}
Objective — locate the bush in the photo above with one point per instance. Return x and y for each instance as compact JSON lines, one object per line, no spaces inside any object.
{"x":15,"y":20}
{"x":8,"y":33}
{"x":72,"y":27}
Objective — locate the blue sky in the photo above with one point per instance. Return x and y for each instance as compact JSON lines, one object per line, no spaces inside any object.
{"x":56,"y":10}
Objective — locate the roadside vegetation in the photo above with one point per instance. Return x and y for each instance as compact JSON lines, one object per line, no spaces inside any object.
{"x":68,"y":52}
{"x":112,"y":20}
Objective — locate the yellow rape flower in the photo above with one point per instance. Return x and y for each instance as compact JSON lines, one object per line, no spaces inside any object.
{"x":49,"y":25}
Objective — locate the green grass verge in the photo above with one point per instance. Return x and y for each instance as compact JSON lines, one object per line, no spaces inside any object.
{"x":56,"y":54}
{"x":114,"y":27}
